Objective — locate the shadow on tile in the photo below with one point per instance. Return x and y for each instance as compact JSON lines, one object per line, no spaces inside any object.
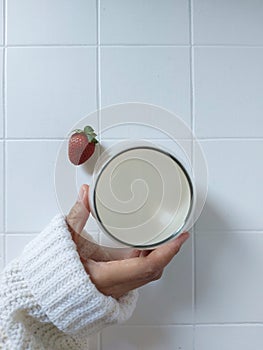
{"x":89,"y":165}
{"x":205,"y":263}
{"x":168,"y":300}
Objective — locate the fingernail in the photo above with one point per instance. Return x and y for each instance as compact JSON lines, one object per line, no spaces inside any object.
{"x":186,"y":236}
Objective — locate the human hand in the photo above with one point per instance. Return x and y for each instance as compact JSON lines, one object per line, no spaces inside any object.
{"x":117,"y":277}
{"x":87,"y":248}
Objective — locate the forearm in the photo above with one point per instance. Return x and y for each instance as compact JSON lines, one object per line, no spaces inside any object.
{"x":47,"y":291}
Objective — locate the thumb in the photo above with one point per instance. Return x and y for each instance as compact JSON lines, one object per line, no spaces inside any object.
{"x":161,"y":256}
{"x":79,"y":213}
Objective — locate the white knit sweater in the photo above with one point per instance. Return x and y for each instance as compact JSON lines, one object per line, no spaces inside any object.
{"x":47,"y":300}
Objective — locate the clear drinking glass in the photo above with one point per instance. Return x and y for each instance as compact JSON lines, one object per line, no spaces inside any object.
{"x":141,"y":195}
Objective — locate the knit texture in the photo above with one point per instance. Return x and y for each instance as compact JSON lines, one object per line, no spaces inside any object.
{"x":47,"y":300}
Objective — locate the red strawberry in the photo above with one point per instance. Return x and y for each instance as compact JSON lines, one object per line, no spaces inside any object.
{"x":81,"y":145}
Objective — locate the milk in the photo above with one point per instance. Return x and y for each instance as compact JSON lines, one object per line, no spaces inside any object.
{"x":142,"y":197}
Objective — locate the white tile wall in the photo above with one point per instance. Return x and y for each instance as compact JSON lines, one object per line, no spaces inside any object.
{"x":46,"y":86}
{"x":147,"y":74}
{"x":147,"y":338}
{"x":1,"y":95}
{"x":1,"y":186}
{"x":175,"y":287}
{"x":228,"y":277}
{"x":234,"y":190}
{"x":144,"y":22}
{"x":228,"y":88}
{"x":240,"y":337}
{"x":15,"y":245}
{"x":229,"y":22}
{"x":200,"y":59}
{"x":48,"y":22}
{"x":1,"y":22}
{"x":30,"y":193}
{"x":1,"y":252}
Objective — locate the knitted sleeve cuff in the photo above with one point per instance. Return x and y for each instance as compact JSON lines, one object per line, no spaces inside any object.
{"x":57,"y":279}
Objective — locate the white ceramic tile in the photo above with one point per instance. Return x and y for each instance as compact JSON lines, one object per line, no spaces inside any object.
{"x":228,"y":92}
{"x":1,"y":95}
{"x":158,"y":76}
{"x":228,"y":277}
{"x":180,"y":149}
{"x":15,"y":245}
{"x":239,"y":337}
{"x":147,"y":338}
{"x":1,"y":186}
{"x":228,"y":22}
{"x":31,"y":201}
{"x":116,"y":131}
{"x":51,"y":88}
{"x":168,"y":300}
{"x":234,"y":191}
{"x":1,"y":22}
{"x":1,"y":252}
{"x":144,"y":22}
{"x":49,"y":22}
{"x":142,"y":121}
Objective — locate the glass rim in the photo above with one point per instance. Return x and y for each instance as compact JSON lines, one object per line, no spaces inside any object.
{"x":190,"y":209}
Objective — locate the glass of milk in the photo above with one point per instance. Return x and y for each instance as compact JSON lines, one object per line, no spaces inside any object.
{"x":141,"y":195}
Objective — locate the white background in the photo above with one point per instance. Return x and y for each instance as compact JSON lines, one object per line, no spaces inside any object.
{"x":202,"y":59}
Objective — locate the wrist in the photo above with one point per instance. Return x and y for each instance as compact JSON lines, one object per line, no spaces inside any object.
{"x":71,"y":230}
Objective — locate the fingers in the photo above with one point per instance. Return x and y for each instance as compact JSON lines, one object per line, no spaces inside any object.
{"x":88,"y":248}
{"x":108,"y":280}
{"x":79,"y":213}
{"x":119,"y":253}
{"x":144,"y":253}
{"x":117,"y":277}
{"x":119,"y":271}
{"x":84,"y":196}
{"x":160,"y":257}
{"x":144,"y":268}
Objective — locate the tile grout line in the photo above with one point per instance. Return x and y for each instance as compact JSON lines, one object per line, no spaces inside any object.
{"x":5,"y":23}
{"x":49,"y":46}
{"x":219,"y":138}
{"x":99,"y":103}
{"x":99,"y":337}
{"x":192,"y":102}
{"x":230,"y":231}
{"x":4,"y":161}
{"x":228,"y":46}
{"x":21,"y":233}
{"x":144,"y":45}
{"x":4,"y":128}
{"x":231,"y":138}
{"x":98,"y":70}
{"x":35,"y":138}
{"x":30,"y":233}
{"x":154,"y":325}
{"x":205,"y":231}
{"x":223,"y":46}
{"x":199,"y":324}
